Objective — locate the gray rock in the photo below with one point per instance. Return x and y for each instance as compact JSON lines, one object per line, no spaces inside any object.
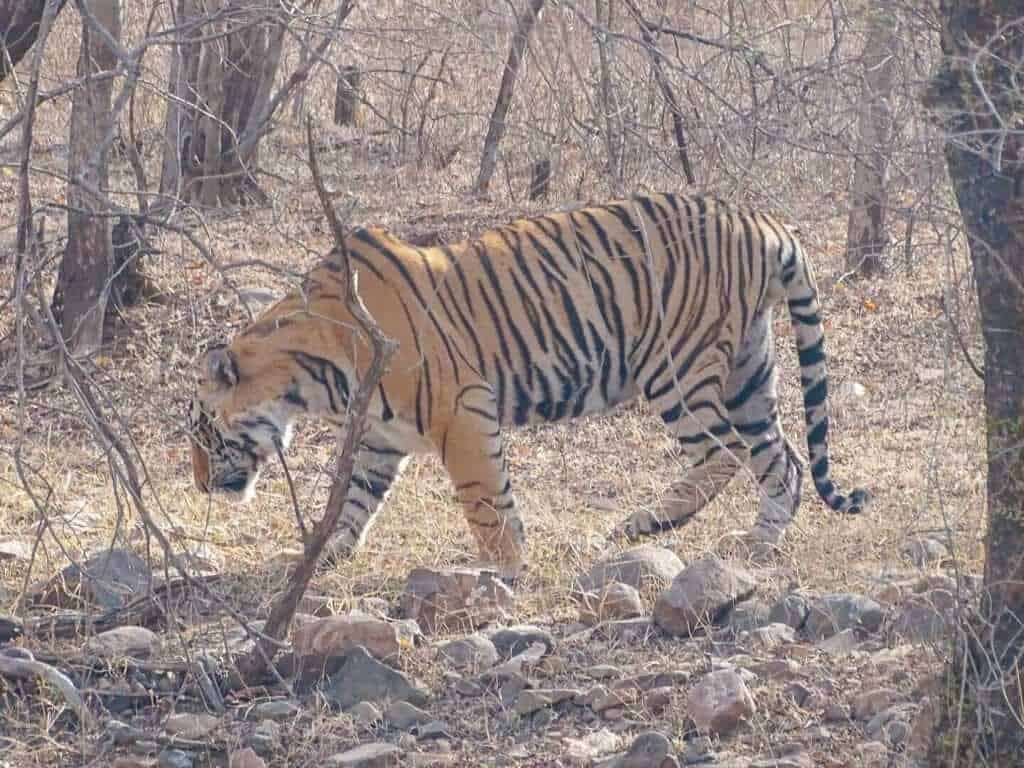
{"x":748,"y":616}
{"x":648,"y":750}
{"x":109,"y":579}
{"x":840,"y":643}
{"x":405,"y":716}
{"x":791,"y":609}
{"x":834,"y":613}
{"x":924,"y":550}
{"x":701,"y":594}
{"x":646,"y":568}
{"x":454,"y":599}
{"x":631,"y":631}
{"x":613,"y":601}
{"x":363,"y":678}
{"x":766,"y":638}
{"x":121,"y":642}
{"x":376,"y":755}
{"x":720,"y":702}
{"x":367,"y":714}
{"x":175,"y":758}
{"x":512,"y":641}
{"x":264,"y":738}
{"x":472,"y":653}
{"x":925,"y":618}
{"x":534,"y":699}
{"x":279,"y":709}
{"x":435,"y":729}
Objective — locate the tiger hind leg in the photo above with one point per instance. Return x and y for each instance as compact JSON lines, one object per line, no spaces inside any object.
{"x":715,"y":451}
{"x":752,"y":400}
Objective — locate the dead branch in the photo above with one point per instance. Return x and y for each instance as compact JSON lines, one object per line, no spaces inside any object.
{"x":252,"y":666}
{"x":29,"y":668}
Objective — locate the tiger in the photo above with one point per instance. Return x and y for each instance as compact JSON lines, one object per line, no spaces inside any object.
{"x":541,"y":320}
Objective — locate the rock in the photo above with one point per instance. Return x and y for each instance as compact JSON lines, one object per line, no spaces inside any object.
{"x":836,"y":713}
{"x":891,"y":725}
{"x":472,"y":653}
{"x":614,"y":601}
{"x":771,"y":636}
{"x":245,"y":758}
{"x":791,"y":609}
{"x":264,"y":738}
{"x":279,"y":709}
{"x":922,"y":729}
{"x":748,"y":616}
{"x":584,"y":750}
{"x":532,"y":700}
{"x":657,"y":699}
{"x":121,"y":642}
{"x":175,"y":758}
{"x":109,"y":579}
{"x":603,"y":672}
{"x":646,"y":568}
{"x":648,"y":750}
{"x":515,"y":666}
{"x":872,"y":754}
{"x":322,"y":639}
{"x":377,"y":755}
{"x":454,"y":599}
{"x":924,"y":550}
{"x":511,"y":688}
{"x":798,"y":760}
{"x":405,"y":716}
{"x":435,"y":729}
{"x":15,"y":549}
{"x":362,"y":678}
{"x":511,"y":641}
{"x":720,"y":702}
{"x":834,"y":613}
{"x":191,"y":726}
{"x":869,"y":703}
{"x":701,"y":594}
{"x":925,"y":618}
{"x":776,"y":669}
{"x":840,"y":643}
{"x":628,"y":631}
{"x":366,"y":714}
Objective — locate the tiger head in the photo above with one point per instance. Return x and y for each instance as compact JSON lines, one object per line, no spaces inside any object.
{"x":232,"y":433}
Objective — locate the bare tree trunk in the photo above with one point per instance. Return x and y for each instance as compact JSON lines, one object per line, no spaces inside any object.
{"x":983,"y":711}
{"x":610,"y":112}
{"x":496,"y":129}
{"x":346,"y":95}
{"x":86,"y":269}
{"x":865,"y":235}
{"x":19,"y":27}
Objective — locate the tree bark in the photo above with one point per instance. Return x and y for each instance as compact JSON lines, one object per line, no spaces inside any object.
{"x":85,"y":271}
{"x":496,"y":128}
{"x":19,"y":28}
{"x":975,"y":93}
{"x":866,"y":238}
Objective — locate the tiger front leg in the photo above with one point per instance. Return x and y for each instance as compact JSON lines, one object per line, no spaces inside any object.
{"x":473,"y":454}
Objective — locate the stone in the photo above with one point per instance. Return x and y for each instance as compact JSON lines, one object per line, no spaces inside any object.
{"x":869,"y":703}
{"x":366,"y":714}
{"x":470,"y":654}
{"x":768,"y":637}
{"x":265,"y":738}
{"x":776,"y":669}
{"x":924,"y":550}
{"x":720,"y":702}
{"x":515,"y":666}
{"x":121,"y":642}
{"x":925,"y":618}
{"x":701,"y":594}
{"x":433,"y":730}
{"x":585,"y":750}
{"x":603,"y":672}
{"x":331,"y":636}
{"x":791,"y":609}
{"x":191,"y":726}
{"x":830,"y":614}
{"x":534,"y":699}
{"x":614,"y":601}
{"x":15,"y":549}
{"x":362,"y":678}
{"x":649,"y":749}
{"x":748,"y":616}
{"x":405,"y":716}
{"x":513,"y":640}
{"x":840,"y":643}
{"x":175,"y":758}
{"x":798,"y":760}
{"x":245,"y":758}
{"x":628,"y":631}
{"x":657,"y":699}
{"x":454,"y":599}
{"x":109,"y":579}
{"x":279,"y":709}
{"x":646,"y":568}
{"x":377,"y":755}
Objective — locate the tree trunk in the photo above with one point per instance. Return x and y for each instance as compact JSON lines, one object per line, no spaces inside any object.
{"x":865,"y":234}
{"x":221,"y":76}
{"x":610,"y":111}
{"x":85,"y":270}
{"x":496,"y":129}
{"x":346,"y":96}
{"x":19,"y":27}
{"x":986,"y":165}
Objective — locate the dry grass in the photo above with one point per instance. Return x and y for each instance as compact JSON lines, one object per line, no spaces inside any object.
{"x":916,"y":439}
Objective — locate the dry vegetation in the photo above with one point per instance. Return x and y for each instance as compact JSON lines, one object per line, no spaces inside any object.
{"x":915,"y":438}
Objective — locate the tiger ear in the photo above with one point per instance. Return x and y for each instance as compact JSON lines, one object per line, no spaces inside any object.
{"x":220,"y":367}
